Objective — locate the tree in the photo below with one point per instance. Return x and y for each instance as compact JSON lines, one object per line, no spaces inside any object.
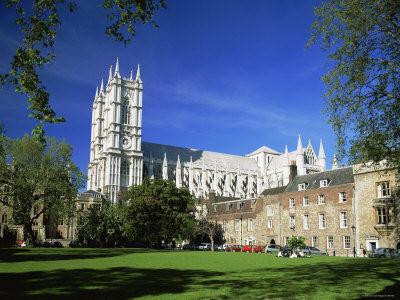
{"x":157,"y":211}
{"x":207,"y":224}
{"x":362,"y":38}
{"x":296,"y":242}
{"x":39,"y":22}
{"x":102,"y":226}
{"x":37,"y":178}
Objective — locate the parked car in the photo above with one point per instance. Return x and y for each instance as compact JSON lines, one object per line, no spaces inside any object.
{"x":254,"y":249}
{"x":384,"y":252}
{"x":205,"y":246}
{"x":190,"y":247}
{"x":308,"y":250}
{"x":218,"y":247}
{"x":272,"y":248}
{"x":233,"y":248}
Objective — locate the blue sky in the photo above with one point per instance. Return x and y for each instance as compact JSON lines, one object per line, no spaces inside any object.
{"x":226,"y":76}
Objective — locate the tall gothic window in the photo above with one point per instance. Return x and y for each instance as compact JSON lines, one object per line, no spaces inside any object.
{"x":126,"y":112}
{"x":124,"y":173}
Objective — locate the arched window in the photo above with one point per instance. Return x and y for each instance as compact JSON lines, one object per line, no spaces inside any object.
{"x":126,"y":112}
{"x":124,"y":173}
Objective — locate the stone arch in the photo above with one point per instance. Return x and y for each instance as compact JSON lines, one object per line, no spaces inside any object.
{"x":272,"y":242}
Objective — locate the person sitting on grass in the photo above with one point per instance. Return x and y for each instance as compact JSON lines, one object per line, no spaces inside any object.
{"x":280,"y":254}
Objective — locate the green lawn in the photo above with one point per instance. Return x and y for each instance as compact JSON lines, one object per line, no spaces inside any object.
{"x":132,"y":273}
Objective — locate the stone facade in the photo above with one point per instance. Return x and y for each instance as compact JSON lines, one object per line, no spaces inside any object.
{"x":119,"y":158}
{"x":375,"y":198}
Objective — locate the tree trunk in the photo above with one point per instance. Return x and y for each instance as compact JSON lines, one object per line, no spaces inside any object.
{"x":212,"y":238}
{"x":28,"y":234}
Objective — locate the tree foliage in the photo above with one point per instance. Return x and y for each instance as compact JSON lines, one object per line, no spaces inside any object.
{"x":362,"y":38}
{"x":36,"y":178}
{"x":39,"y":22}
{"x":157,"y":211}
{"x":296,"y":242}
{"x":102,"y":226}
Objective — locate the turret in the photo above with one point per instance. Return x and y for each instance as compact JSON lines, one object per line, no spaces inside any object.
{"x":335,"y":164}
{"x":165,"y":167}
{"x":191,"y":175}
{"x":109,"y":75}
{"x":321,"y":157}
{"x":116,"y":73}
{"x":178,"y":173}
{"x":138,"y":78}
{"x":300,"y":158}
{"x":286,"y":167}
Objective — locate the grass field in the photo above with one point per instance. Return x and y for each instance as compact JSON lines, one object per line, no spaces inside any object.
{"x":132,"y":273}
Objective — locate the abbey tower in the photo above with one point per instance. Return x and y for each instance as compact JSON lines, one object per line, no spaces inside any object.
{"x":116,"y":157}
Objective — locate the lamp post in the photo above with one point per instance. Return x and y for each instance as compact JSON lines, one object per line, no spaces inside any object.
{"x":353,"y":229}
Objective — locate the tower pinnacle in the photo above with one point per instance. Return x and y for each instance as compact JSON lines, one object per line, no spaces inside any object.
{"x":116,"y":73}
{"x":110,"y":75}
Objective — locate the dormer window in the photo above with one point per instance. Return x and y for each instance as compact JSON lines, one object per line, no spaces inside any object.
{"x":240,"y":205}
{"x":324,"y":183}
{"x":302,"y":186}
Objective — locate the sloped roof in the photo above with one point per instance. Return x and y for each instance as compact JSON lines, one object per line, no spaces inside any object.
{"x":209,"y":158}
{"x":264,"y":149}
{"x":336,"y":177}
{"x":274,"y":191}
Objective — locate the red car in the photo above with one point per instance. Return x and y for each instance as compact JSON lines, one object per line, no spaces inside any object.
{"x":233,"y":248}
{"x":254,"y":249}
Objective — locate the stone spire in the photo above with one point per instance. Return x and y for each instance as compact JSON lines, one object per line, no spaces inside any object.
{"x":102,"y":86}
{"x":286,"y":157}
{"x":138,"y":79}
{"x":335,"y":164}
{"x":299,"y":146}
{"x":116,"y":73}
{"x":151,"y":167}
{"x":321,"y":157}
{"x":191,"y":175}
{"x":300,"y":158}
{"x":165,"y":167}
{"x":110,"y":75}
{"x":178,"y":173}
{"x":97,"y":92}
{"x":131,"y":76}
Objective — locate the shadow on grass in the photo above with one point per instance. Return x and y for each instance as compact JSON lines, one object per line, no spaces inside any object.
{"x":114,"y":283}
{"x":346,"y":279}
{"x":49,"y":254}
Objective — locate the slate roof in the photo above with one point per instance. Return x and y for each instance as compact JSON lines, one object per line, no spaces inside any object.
{"x":336,"y":177}
{"x":274,"y":191}
{"x":209,"y":158}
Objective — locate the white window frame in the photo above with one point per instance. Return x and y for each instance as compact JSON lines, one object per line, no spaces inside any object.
{"x":314,"y":241}
{"x":384,"y":189}
{"x":323,"y":183}
{"x":236,"y":225}
{"x":306,"y":221}
{"x":343,"y":219}
{"x":321,"y":221}
{"x":270,"y":210}
{"x":321,"y":199}
{"x":342,"y":197}
{"x":250,"y":224}
{"x":269,"y":223}
{"x":306,"y":201}
{"x":292,"y":221}
{"x":302,"y":186}
{"x":329,"y":242}
{"x":292,"y":202}
{"x":346,"y":242}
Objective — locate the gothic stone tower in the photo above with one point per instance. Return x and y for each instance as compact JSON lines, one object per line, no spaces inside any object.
{"x":116,"y":157}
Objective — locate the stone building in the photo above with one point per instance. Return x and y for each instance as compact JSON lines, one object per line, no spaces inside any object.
{"x":375,"y":205}
{"x":119,"y":158}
